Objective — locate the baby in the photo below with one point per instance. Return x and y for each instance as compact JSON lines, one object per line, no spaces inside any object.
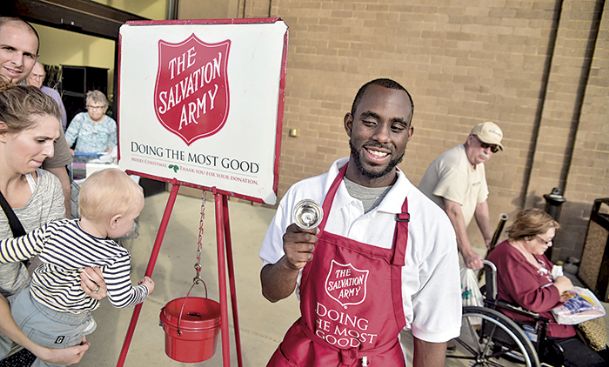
{"x":54,"y":310}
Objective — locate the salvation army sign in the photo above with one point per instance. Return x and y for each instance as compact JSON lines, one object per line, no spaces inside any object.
{"x":201,"y":102}
{"x":191,"y":95}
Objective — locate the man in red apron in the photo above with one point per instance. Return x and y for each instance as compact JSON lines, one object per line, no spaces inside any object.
{"x":383,"y":257}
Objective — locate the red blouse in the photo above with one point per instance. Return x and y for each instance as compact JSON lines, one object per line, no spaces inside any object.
{"x":520,"y":282}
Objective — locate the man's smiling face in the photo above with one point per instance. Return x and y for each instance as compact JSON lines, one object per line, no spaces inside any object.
{"x":379,"y":131}
{"x":18,"y":50}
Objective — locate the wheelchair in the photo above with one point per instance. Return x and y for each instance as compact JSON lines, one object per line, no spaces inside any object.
{"x":490,"y":338}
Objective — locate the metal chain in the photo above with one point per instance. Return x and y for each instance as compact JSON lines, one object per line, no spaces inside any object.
{"x":197,"y":279}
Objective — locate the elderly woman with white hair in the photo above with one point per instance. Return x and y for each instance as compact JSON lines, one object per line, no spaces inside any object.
{"x":93,"y":131}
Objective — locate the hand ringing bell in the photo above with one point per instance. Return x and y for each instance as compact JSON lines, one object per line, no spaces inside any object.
{"x":307,"y":214}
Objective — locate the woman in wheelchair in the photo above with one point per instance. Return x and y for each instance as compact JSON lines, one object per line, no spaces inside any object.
{"x":525,"y":278}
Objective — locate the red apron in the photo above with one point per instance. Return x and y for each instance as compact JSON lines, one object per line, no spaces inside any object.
{"x":350,"y":301}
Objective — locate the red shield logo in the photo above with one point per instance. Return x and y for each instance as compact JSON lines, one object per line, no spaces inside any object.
{"x":191,"y":95}
{"x":346,"y":284}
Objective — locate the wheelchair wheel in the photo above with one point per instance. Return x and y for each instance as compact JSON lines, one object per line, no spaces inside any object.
{"x":489,"y":338}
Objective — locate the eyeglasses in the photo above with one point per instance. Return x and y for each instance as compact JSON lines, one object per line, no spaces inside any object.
{"x":494,"y":147}
{"x":547,"y":243}
{"x":95,"y":107}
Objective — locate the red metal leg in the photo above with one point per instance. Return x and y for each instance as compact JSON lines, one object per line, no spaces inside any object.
{"x":222,"y":279}
{"x":151,"y":263}
{"x":231,"y":279}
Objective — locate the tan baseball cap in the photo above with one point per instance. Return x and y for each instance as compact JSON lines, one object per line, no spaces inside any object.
{"x":488,"y":132}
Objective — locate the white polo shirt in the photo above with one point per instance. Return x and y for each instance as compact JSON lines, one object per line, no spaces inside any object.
{"x":431,"y":289}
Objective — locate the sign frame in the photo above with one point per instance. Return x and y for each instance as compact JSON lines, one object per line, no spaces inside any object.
{"x":278,"y":117}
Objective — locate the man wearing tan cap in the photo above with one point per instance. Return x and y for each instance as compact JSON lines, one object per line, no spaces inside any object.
{"x":457,"y":183}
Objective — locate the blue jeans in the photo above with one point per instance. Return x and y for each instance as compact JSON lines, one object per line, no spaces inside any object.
{"x":6,"y":344}
{"x":47,"y":327}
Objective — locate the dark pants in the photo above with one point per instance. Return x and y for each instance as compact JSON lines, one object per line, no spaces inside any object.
{"x":578,"y":354}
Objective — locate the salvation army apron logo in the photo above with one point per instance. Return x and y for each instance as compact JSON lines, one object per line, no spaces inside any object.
{"x":346,"y":284}
{"x":191,"y":95}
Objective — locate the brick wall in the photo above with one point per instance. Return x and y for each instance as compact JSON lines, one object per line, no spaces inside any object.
{"x":463,"y":62}
{"x":562,"y":157}
{"x":588,"y":176}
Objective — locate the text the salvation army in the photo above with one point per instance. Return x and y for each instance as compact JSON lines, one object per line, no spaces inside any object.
{"x":199,"y":81}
